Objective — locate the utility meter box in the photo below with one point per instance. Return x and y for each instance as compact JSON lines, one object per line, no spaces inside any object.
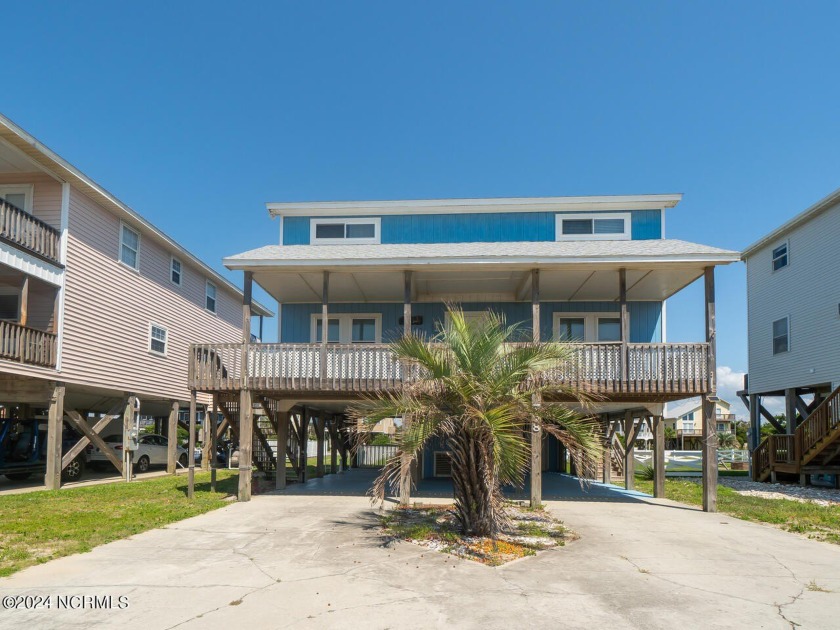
{"x":131,"y":444}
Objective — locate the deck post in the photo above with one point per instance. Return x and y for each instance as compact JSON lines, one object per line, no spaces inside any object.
{"x":790,"y":410}
{"x":205,"y":440}
{"x":172,"y":438}
{"x":333,"y":446}
{"x":214,"y":440}
{"x":282,"y":441}
{"x":24,"y":301}
{"x":191,"y":448}
{"x":624,"y":323}
{"x":536,"y":430}
{"x":303,"y":442}
{"x":658,"y":457}
{"x":755,"y":421}
{"x":405,"y":458}
{"x":55,"y":432}
{"x":128,"y":425}
{"x":629,"y":451}
{"x":325,"y":325}
{"x":710,"y":463}
{"x":246,"y":411}
{"x":606,"y":473}
{"x":320,"y":423}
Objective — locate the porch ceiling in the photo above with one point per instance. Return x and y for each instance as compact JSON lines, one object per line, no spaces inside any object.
{"x":502,"y":284}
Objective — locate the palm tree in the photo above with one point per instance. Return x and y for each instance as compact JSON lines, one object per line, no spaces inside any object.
{"x":483,"y":394}
{"x":727,"y":440}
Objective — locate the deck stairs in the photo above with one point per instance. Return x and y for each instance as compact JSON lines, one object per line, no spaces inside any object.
{"x":814,"y":448}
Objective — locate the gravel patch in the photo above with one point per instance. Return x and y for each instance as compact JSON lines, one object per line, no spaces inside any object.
{"x":803,"y":494}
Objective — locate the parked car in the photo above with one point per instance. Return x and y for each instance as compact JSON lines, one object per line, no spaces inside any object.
{"x":23,"y":450}
{"x":152,"y":451}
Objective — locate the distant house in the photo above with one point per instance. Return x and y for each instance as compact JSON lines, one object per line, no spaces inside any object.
{"x":793,"y":304}
{"x":686,"y":418}
{"x":98,"y":307}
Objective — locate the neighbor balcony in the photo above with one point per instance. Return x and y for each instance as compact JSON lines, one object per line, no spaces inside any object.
{"x":22,"y":230}
{"x":614,"y":370}
{"x":27,"y":345}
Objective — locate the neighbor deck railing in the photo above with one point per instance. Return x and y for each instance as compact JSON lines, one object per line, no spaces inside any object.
{"x":22,"y":229}
{"x":598,"y":367}
{"x":27,"y":345}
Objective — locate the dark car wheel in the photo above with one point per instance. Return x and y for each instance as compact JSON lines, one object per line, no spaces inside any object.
{"x":18,"y":476}
{"x":183,"y":460}
{"x":143,"y":464}
{"x":74,"y":470}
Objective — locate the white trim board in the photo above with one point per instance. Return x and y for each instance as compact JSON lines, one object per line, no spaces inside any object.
{"x":32,"y":265}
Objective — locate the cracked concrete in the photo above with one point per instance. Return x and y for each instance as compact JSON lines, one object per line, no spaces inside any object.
{"x":312,"y":557}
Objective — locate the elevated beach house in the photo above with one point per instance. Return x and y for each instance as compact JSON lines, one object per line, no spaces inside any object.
{"x":350,"y":276}
{"x":98,"y":308}
{"x":793,"y":310}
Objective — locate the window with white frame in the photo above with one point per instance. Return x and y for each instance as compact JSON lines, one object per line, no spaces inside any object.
{"x":348,"y":328}
{"x":210,"y":297}
{"x":780,"y":257}
{"x":344,"y":231}
{"x":596,"y":226}
{"x":586,"y":327}
{"x":781,"y":335}
{"x":158,"y":338}
{"x":129,"y":247}
{"x":18,"y":195}
{"x":175,"y":271}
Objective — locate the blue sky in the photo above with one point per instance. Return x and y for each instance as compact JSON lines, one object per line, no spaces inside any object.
{"x":195,"y":114}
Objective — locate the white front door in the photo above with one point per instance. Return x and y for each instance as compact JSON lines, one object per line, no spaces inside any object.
{"x":587,"y":327}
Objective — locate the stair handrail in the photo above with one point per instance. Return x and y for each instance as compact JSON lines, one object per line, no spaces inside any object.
{"x":819,"y":423}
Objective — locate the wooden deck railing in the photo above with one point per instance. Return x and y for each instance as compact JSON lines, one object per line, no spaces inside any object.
{"x":761,"y":461}
{"x":824,"y":420}
{"x":27,"y":345}
{"x":651,"y":368}
{"x":22,"y":229}
{"x":782,"y":449}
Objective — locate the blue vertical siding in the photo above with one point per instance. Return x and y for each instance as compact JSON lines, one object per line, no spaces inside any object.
{"x":490,"y":227}
{"x":645,"y":317}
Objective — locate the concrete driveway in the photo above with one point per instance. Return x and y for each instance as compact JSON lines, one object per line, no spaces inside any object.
{"x":311,"y":557}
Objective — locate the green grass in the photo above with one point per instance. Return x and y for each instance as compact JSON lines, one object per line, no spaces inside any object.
{"x":40,"y":526}
{"x":815,"y":521}
{"x":312,"y":466}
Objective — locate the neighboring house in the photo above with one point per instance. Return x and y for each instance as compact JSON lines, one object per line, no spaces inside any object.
{"x":793,"y":307}
{"x":98,"y":307}
{"x":595,"y":271}
{"x":686,"y":418}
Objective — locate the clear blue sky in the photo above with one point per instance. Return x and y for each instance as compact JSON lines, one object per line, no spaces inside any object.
{"x":195,"y":114}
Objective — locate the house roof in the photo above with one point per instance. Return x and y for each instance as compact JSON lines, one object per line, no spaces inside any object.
{"x":803,"y":217}
{"x":676,"y":410}
{"x":50,"y":162}
{"x":526,"y":253}
{"x":462,"y":206}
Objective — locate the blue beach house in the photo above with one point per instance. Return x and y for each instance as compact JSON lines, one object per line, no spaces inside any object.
{"x":596,"y":271}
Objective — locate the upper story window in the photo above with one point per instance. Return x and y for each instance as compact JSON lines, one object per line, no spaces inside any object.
{"x":586,"y":327}
{"x":597,"y":226}
{"x":210,"y":297}
{"x":781,"y":335}
{"x":348,"y":328}
{"x":158,"y":337}
{"x":780,"y":257}
{"x":19,"y":195}
{"x":344,"y":231}
{"x":130,"y":247}
{"x":175,"y":271}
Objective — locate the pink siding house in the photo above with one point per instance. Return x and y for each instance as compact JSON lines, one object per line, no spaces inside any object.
{"x":98,"y":307}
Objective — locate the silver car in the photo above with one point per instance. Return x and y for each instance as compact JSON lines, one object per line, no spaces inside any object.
{"x":151,"y":451}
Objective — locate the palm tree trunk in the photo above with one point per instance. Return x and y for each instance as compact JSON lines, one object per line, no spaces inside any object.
{"x":477,"y":503}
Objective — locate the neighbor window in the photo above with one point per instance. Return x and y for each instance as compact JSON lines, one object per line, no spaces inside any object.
{"x":780,"y":257}
{"x":210,"y":297}
{"x":781,"y":334}
{"x":175,"y":271}
{"x":130,"y":247}
{"x":339,"y":231}
{"x":595,"y":226}
{"x":18,"y":195}
{"x":157,"y":339}
{"x":721,"y":427}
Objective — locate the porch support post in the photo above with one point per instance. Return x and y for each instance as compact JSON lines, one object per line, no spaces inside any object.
{"x":629,"y":452}
{"x":790,"y":410}
{"x":205,"y":440}
{"x":536,"y":431}
{"x":606,"y":473}
{"x":405,"y":458}
{"x":282,"y":442}
{"x":24,"y":301}
{"x":325,"y":325}
{"x":55,"y":430}
{"x":128,"y":425}
{"x":658,"y":457}
{"x":191,"y":448}
{"x":246,"y":411}
{"x":755,"y":421}
{"x":320,"y":423}
{"x":214,"y":440}
{"x":333,"y":446}
{"x":172,"y":438}
{"x":710,"y":465}
{"x":624,"y":322}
